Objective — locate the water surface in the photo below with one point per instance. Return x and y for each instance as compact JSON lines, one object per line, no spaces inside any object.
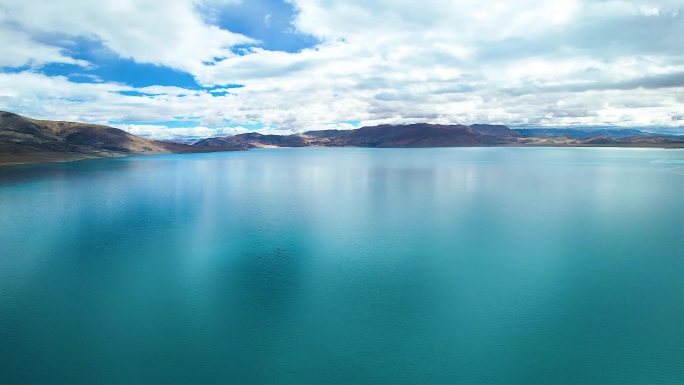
{"x":327,"y":266}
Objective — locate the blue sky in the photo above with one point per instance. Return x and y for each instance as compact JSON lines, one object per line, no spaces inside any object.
{"x":267,"y":21}
{"x":195,"y":68}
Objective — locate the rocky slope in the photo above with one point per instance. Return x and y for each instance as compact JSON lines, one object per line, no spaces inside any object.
{"x":25,"y":140}
{"x":253,"y":139}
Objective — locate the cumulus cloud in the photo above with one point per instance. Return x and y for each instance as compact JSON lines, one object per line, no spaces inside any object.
{"x":172,"y":34}
{"x":161,"y":132}
{"x":555,"y":63}
{"x":17,"y":48}
{"x":394,"y":61}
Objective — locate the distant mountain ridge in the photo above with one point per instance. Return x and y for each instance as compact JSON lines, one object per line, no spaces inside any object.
{"x":435,"y":135}
{"x":26,"y":140}
{"x":586,"y":133}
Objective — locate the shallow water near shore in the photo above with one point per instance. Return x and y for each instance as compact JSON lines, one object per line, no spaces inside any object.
{"x":347,"y":265}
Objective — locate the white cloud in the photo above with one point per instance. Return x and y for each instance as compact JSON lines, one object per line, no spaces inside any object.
{"x":560,"y":62}
{"x":464,"y":20}
{"x":171,"y":34}
{"x":18,"y":49}
{"x":161,"y":132}
{"x":402,"y":61}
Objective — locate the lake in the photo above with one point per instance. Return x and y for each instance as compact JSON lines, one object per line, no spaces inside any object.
{"x":345,"y":265}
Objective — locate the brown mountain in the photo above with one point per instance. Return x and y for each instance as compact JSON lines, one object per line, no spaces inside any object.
{"x":494,"y":129}
{"x":25,"y":140}
{"x":416,"y":135}
{"x":252,"y":140}
{"x":412,"y":135}
{"x":434,"y":135}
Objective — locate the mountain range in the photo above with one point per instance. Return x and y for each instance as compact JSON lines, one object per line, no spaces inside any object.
{"x":435,"y":135}
{"x":26,"y":140}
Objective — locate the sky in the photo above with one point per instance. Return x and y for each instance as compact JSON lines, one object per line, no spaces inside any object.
{"x":200,"y":68}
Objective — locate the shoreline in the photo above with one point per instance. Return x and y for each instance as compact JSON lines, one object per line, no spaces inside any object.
{"x":17,"y":160}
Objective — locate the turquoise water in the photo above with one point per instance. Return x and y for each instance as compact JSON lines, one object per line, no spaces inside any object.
{"x":341,"y":266}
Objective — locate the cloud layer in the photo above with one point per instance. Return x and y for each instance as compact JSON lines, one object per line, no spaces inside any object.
{"x":553,"y":63}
